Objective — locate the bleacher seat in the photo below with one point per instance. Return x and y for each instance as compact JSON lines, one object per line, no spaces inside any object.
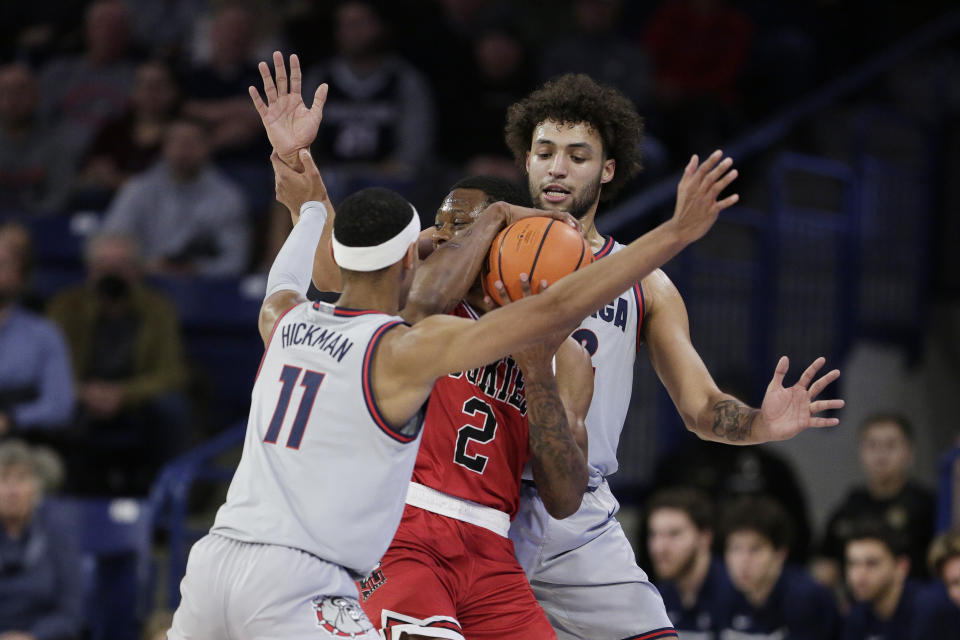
{"x":114,"y":539}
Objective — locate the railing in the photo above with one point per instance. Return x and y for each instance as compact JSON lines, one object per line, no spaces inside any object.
{"x":170,"y":498}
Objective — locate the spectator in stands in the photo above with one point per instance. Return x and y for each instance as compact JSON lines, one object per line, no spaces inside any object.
{"x":699,"y":50}
{"x":944,"y":562}
{"x":890,"y":495}
{"x":36,"y":392}
{"x":378,"y":118}
{"x":81,"y":92}
{"x":772,"y":597}
{"x":131,"y":142}
{"x":887,"y":606}
{"x":41,"y":595}
{"x":35,"y":173}
{"x":695,"y":587}
{"x":599,"y":50}
{"x":129,"y":367}
{"x":183,"y":213}
{"x":162,"y":28}
{"x":216,"y":92}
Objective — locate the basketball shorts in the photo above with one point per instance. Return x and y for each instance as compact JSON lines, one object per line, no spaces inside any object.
{"x":443,"y":578}
{"x":584,"y":573}
{"x":243,"y":591}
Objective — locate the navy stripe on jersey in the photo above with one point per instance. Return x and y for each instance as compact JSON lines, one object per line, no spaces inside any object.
{"x":368,"y":386}
{"x":657,"y":634}
{"x":605,"y":249}
{"x":270,"y":339}
{"x":641,"y":309}
{"x":345,"y":312}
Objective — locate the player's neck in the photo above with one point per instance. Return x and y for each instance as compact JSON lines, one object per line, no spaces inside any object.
{"x":690,"y":584}
{"x":589,"y":230}
{"x":759,"y":596}
{"x":887,"y":487}
{"x":369,"y":295}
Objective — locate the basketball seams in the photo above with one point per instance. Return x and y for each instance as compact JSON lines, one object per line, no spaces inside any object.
{"x":536,"y":256}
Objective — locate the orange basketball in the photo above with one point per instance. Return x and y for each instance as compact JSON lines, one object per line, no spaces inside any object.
{"x":544,"y":248}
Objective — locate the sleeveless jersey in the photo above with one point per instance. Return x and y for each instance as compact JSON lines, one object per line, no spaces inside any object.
{"x":611,"y":336}
{"x":476,"y":439}
{"x":321,"y":470}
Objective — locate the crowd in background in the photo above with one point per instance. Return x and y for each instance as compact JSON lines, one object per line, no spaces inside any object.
{"x":137,"y":110}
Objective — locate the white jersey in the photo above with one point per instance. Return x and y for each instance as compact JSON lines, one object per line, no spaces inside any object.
{"x":611,"y":336}
{"x":321,"y":471}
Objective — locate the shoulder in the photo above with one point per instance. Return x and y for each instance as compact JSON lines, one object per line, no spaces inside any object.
{"x":31,"y":324}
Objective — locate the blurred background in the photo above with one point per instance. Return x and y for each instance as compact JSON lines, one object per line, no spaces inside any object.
{"x":137,"y":223}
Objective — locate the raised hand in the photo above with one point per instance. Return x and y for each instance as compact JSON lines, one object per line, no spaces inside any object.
{"x":290,"y":125}
{"x":697,"y":205}
{"x":785,"y":412}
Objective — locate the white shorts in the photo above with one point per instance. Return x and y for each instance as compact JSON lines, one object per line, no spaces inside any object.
{"x":242,"y":591}
{"x":584,"y":573}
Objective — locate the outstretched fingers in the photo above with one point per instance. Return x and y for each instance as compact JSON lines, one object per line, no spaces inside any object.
{"x":319,"y":98}
{"x":778,"y":374}
{"x":708,"y":165}
{"x":281,"y":70}
{"x":269,"y":88}
{"x":822,"y":382}
{"x":296,"y":78}
{"x":258,"y":102}
{"x":811,"y":371}
{"x":825,"y":405}
{"x":824,"y":422}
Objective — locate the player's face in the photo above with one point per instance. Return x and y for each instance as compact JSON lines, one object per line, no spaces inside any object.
{"x":458,"y":211}
{"x":18,"y":493}
{"x":674,"y":542}
{"x":566,"y":167}
{"x":885,"y":452}
{"x":752,"y":561}
{"x":871,"y":569}
{"x":951,"y":578}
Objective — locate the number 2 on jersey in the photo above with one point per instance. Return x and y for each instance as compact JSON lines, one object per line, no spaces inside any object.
{"x":466,"y":433}
{"x":311,"y":383}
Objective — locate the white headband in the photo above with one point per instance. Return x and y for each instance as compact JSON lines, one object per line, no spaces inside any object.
{"x":378,"y":256}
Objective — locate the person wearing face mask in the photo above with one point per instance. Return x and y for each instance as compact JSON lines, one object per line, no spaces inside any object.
{"x":128,"y":365}
{"x":36,"y":392}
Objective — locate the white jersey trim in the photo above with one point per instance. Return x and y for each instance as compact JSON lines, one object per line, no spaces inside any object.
{"x":423,"y":497}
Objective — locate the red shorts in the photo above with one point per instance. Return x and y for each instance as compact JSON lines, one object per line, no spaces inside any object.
{"x":451,"y":579}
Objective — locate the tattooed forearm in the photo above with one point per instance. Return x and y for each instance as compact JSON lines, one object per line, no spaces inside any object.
{"x":559,"y":467}
{"x":733,"y":420}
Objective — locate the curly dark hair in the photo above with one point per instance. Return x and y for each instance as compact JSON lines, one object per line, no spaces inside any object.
{"x":577,"y":98}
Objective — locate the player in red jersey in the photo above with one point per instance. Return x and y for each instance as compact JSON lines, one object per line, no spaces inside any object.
{"x":451,"y":571}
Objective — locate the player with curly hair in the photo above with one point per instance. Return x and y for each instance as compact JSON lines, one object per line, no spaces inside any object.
{"x":579,"y":144}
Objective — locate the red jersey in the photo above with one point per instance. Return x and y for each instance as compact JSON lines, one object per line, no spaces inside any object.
{"x":476,"y":437}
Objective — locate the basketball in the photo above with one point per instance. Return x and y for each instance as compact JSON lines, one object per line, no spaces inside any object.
{"x":544,"y":248}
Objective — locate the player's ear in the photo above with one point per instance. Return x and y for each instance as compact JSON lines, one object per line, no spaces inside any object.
{"x":526,"y":162}
{"x":609,"y":167}
{"x":410,"y":258}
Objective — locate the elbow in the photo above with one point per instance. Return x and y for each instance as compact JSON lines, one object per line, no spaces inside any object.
{"x":561,"y":507}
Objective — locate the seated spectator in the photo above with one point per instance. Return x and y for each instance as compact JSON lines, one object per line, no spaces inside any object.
{"x":773,"y":598}
{"x":216,"y":92}
{"x":186,"y":217}
{"x":82,"y":91}
{"x":889,"y":495}
{"x":944,"y":562}
{"x":378,"y":117}
{"x":36,"y":391}
{"x":888,"y":606}
{"x":35,"y":173}
{"x":128,"y":143}
{"x":695,"y":587}
{"x":41,"y":596}
{"x":129,"y":368}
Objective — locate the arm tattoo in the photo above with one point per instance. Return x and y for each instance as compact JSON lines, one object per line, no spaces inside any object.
{"x":733,"y":420}
{"x":558,"y":464}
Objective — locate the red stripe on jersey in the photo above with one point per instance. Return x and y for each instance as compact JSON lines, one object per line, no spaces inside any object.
{"x":605,"y":249}
{"x":270,"y":339}
{"x":641,"y":311}
{"x":368,"y":386}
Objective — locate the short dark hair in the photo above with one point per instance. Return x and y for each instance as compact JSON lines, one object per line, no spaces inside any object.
{"x":889,"y":416}
{"x":575,"y":98}
{"x":690,"y":500}
{"x":761,"y":514}
{"x":876,"y":529}
{"x":497,"y":189}
{"x":944,"y":548}
{"x":371,"y":216}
